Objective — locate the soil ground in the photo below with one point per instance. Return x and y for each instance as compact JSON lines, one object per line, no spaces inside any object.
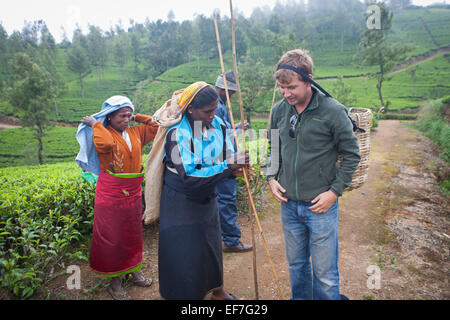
{"x":394,"y":229}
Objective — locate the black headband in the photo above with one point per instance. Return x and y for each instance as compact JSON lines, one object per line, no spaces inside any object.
{"x":304,"y":76}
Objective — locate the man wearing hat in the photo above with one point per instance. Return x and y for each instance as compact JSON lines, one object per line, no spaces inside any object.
{"x":226,"y":189}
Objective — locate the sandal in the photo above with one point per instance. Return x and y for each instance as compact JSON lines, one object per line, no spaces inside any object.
{"x":142,"y":282}
{"x":233,"y":297}
{"x":119,"y":295}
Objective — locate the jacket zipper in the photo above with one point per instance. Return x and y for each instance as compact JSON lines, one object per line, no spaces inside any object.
{"x":296,"y":154}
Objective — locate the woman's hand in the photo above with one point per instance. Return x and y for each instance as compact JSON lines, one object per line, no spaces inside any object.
{"x":89,"y":121}
{"x":240,"y":172}
{"x":239,"y":160}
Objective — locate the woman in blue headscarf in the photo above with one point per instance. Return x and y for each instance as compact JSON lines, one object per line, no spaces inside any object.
{"x":113,"y":150}
{"x":198,"y":154}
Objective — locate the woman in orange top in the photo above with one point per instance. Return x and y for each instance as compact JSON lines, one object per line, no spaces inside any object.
{"x":116,"y":247}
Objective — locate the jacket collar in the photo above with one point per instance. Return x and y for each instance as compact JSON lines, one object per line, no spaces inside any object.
{"x":314,"y":102}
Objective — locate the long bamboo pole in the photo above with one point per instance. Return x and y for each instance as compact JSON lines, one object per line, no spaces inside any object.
{"x":252,"y":203}
{"x":255,"y":270}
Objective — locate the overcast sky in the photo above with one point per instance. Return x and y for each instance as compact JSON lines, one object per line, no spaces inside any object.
{"x":106,"y":13}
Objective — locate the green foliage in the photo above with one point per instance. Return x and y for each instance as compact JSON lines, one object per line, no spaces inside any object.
{"x":254,"y":79}
{"x":78,"y":63}
{"x":446,"y":100}
{"x":32,"y":93}
{"x":445,"y":186}
{"x":411,"y":27}
{"x":45,"y":212}
{"x":433,"y":121}
{"x":259,"y":124}
{"x":377,"y":50}
{"x":256,"y":187}
{"x":342,"y":92}
{"x":431,"y":82}
{"x":330,"y":32}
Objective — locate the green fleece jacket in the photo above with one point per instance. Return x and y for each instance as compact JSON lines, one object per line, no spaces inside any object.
{"x":306,"y":165}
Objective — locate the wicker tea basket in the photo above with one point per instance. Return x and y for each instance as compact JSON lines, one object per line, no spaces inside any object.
{"x":363,"y":118}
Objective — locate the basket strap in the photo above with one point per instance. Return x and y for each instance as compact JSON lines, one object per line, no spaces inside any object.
{"x":354,"y":123}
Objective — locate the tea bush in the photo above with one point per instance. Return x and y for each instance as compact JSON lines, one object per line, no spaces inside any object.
{"x":45,"y":211}
{"x":433,"y":120}
{"x":434,"y":123}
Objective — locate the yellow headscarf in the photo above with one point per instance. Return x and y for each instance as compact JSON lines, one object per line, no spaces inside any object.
{"x":189,"y":94}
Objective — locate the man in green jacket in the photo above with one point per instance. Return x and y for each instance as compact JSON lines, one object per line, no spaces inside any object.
{"x":308,"y":132}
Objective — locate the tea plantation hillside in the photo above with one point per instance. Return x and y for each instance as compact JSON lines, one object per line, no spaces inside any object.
{"x":17,"y":146}
{"x":424,"y":29}
{"x":404,"y":91}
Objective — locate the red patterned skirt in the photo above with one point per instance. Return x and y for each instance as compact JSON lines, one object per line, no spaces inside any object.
{"x":116,"y":245}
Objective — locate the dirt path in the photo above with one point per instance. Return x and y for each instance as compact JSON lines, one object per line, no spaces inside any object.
{"x":397,"y":224}
{"x":7,"y":126}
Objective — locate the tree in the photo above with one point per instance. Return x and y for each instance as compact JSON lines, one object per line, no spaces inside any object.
{"x":47,"y":58}
{"x":186,"y":33}
{"x":78,"y":62}
{"x":135,"y":50}
{"x":77,"y":58}
{"x":375,"y":49}
{"x":343,"y":93}
{"x":208,"y":41}
{"x":32,"y":93}
{"x":97,"y":51}
{"x":171,"y":16}
{"x":254,"y":79}
{"x":412,"y":72}
{"x":4,"y":73}
{"x":282,"y":43}
{"x":121,"y":48}
{"x":400,"y":4}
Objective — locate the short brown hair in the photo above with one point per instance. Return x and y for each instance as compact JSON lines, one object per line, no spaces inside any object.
{"x":297,"y":58}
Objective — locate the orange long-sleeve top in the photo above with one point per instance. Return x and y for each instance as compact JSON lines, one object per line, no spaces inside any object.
{"x":112,"y":148}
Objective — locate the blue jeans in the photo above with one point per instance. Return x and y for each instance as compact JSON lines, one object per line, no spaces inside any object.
{"x":311,"y":235}
{"x":226,"y":200}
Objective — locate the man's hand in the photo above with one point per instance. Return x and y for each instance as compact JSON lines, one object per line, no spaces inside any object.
{"x":277,"y":190}
{"x":323,"y":202}
{"x":89,"y":121}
